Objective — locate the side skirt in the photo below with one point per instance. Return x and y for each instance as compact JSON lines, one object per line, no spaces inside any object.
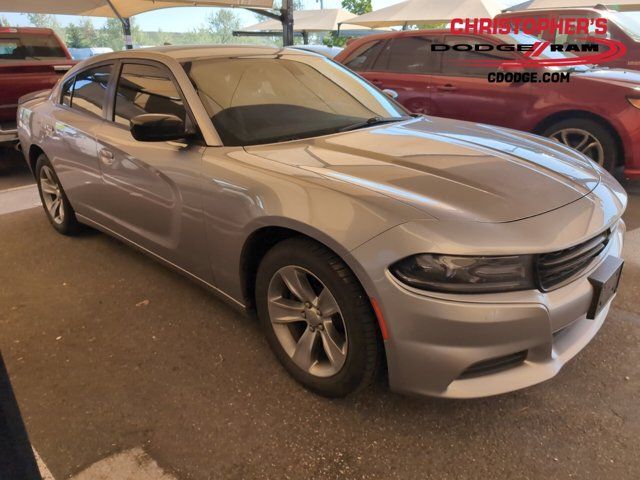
{"x":239,"y":306}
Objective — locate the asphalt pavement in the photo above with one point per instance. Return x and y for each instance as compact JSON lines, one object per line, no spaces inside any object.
{"x":110,"y":352}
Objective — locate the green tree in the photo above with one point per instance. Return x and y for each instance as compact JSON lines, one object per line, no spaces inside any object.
{"x":74,"y":37}
{"x":88,"y":32}
{"x":46,"y":21}
{"x":111,"y":34}
{"x":357,"y":7}
{"x":4,"y":22}
{"x":222,"y":23}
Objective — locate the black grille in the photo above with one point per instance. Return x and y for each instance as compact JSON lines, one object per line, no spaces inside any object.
{"x":556,"y":267}
{"x":494,"y":365}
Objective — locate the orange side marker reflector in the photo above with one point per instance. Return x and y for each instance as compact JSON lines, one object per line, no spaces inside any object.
{"x":381,"y":322}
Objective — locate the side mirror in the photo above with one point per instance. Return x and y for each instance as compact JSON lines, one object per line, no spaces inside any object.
{"x":390,"y":93}
{"x":157,"y":127}
{"x":512,"y":67}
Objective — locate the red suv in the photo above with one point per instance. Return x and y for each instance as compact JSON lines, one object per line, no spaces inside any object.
{"x":596,"y":112}
{"x":620,"y":26}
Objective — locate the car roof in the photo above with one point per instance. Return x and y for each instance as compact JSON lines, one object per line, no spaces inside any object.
{"x":183,"y":53}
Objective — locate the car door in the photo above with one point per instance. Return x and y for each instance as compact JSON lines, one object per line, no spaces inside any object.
{"x":462,"y":90}
{"x":70,"y":135}
{"x":404,"y":65}
{"x":152,"y":190}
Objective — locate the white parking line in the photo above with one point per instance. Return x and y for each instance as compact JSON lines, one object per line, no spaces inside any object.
{"x":44,"y":471}
{"x":19,"y":198}
{"x":132,"y":464}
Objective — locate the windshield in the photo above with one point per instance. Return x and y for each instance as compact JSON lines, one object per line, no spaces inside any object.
{"x":628,"y":23}
{"x":21,"y":46}
{"x":266,"y":99}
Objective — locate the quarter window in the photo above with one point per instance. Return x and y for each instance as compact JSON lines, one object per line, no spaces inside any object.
{"x":67,"y":89}
{"x":89,"y":90}
{"x":363,"y":56}
{"x":146,"y":89}
{"x":408,"y":55}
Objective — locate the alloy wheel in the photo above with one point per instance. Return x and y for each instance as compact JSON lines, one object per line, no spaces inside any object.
{"x":307,"y":321}
{"x":51,"y":194}
{"x":581,"y":140}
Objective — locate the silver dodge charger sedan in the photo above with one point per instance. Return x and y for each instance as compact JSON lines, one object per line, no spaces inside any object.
{"x":473,"y":260}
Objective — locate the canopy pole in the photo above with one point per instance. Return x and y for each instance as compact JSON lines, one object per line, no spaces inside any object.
{"x":126,"y":26}
{"x":285,"y":17}
{"x":305,"y":37}
{"x":287,"y":23}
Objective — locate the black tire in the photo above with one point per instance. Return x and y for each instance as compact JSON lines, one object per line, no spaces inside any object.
{"x":364,"y":346}
{"x":601,"y":132}
{"x":69,"y":224}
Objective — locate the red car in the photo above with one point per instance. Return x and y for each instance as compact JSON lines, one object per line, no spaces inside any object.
{"x":620,"y":26}
{"x":596,"y":112}
{"x":31,"y":59}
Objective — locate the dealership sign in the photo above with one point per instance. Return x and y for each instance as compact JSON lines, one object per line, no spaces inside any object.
{"x":588,"y":45}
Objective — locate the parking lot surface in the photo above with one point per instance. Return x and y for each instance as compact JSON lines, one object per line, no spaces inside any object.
{"x":109,"y":351}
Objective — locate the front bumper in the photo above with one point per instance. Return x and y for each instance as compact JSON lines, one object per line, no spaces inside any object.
{"x":434,"y":339}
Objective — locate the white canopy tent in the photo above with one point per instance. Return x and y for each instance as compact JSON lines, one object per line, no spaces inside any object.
{"x":420,"y":12}
{"x":124,"y":9}
{"x":117,"y":8}
{"x":621,"y":5}
{"x":307,"y":21}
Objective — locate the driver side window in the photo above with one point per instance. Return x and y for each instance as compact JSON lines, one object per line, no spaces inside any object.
{"x":144,"y":89}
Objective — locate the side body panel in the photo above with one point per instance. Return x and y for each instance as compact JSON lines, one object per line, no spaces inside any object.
{"x":245,"y":193}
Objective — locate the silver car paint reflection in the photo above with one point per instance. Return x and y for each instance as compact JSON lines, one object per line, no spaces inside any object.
{"x":373,"y":196}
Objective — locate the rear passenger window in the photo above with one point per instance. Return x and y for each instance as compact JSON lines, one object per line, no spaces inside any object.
{"x":408,"y":55}
{"x":146,"y":89}
{"x":90,"y":89}
{"x":363,"y":56}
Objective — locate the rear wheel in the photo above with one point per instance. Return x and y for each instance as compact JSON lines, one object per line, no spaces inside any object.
{"x":589,"y":137}
{"x":316,"y":317}
{"x":54,"y":200}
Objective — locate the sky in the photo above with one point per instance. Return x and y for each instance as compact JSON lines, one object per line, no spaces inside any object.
{"x":185,"y":19}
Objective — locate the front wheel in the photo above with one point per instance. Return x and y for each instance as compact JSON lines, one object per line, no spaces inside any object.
{"x":316,"y":317}
{"x":589,"y":137}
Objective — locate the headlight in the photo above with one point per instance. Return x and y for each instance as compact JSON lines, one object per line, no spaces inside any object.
{"x":634,"y":101}
{"x":447,"y":273}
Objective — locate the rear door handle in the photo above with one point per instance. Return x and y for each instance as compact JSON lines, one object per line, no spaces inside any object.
{"x":106,"y":156}
{"x":447,"y":88}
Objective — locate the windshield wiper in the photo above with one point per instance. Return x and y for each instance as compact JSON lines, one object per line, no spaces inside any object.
{"x":373,"y":121}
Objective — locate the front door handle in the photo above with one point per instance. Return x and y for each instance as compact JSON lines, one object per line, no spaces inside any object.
{"x":106,"y":156}
{"x":447,"y":88}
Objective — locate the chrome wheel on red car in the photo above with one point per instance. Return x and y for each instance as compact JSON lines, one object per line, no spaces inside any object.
{"x":583,"y":141}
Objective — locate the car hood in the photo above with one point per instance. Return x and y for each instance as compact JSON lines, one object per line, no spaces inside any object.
{"x":623,"y":78}
{"x":448,"y":169}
